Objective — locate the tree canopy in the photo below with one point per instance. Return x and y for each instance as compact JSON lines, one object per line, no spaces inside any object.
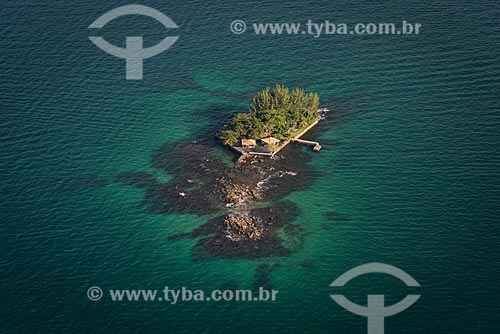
{"x":277,"y":111}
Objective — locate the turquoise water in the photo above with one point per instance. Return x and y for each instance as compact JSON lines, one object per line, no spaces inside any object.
{"x":408,"y":175}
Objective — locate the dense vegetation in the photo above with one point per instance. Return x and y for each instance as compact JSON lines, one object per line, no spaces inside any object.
{"x":276,"y":112}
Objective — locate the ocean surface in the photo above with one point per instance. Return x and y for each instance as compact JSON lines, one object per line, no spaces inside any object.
{"x":409,"y":174}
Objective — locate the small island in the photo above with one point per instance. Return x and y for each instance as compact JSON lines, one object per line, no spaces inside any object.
{"x":245,"y":202}
{"x":276,"y":117}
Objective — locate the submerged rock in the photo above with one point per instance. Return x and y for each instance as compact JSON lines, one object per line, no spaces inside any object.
{"x":275,"y":226}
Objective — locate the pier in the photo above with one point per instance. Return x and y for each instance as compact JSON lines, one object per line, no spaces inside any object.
{"x":316,"y":146}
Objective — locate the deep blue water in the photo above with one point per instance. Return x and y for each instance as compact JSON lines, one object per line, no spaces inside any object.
{"x":410,"y":166}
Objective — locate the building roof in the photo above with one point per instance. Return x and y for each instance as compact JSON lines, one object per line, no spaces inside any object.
{"x":270,"y":140}
{"x":248,"y":142}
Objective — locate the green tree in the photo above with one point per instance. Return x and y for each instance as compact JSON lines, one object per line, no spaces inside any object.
{"x":276,"y":111}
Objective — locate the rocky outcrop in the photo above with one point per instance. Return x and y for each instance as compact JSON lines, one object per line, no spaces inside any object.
{"x":234,"y":192}
{"x":240,"y":227}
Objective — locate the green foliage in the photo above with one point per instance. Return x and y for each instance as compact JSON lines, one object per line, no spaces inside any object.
{"x":276,"y":111}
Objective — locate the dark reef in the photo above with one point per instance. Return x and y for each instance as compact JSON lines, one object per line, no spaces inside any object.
{"x":247,"y":217}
